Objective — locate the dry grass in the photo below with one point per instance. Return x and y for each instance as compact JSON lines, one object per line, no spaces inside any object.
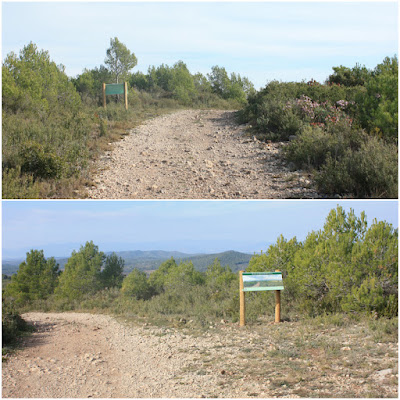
{"x":311,"y":358}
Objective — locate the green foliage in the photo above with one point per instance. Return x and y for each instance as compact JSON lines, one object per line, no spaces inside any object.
{"x":36,"y":279}
{"x":82,"y":273}
{"x":89,"y":84}
{"x":283,"y":109}
{"x":344,"y":129}
{"x":119,"y":59}
{"x":218,"y":277}
{"x":379,"y":107}
{"x":112,"y":274}
{"x":233,"y":87}
{"x":348,"y":161}
{"x":52,"y":126}
{"x":136,"y":286}
{"x":39,"y":161}
{"x":45,"y":132}
{"x":182,"y":277}
{"x":370,"y":171}
{"x":356,"y":76}
{"x":33,"y":83}
{"x":178,"y":83}
{"x":13,"y":325}
{"x":16,"y":186}
{"x":346,"y":266}
{"x":158,"y":278}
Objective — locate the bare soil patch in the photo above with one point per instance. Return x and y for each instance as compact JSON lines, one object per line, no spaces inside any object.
{"x":84,"y":355}
{"x":196,"y":154}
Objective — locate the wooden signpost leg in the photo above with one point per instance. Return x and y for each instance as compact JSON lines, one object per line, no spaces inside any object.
{"x":104,"y":95}
{"x":277,"y":304}
{"x":126,"y":95}
{"x":241,"y":295}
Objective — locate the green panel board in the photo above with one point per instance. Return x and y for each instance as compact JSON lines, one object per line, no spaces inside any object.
{"x":258,"y":281}
{"x":115,"y":88}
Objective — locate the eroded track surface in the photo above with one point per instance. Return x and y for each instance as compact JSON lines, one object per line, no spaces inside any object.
{"x":78,"y":355}
{"x":195,"y":154}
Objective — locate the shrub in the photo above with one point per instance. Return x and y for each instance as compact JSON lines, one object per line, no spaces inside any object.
{"x":347,"y":160}
{"x":17,"y":186}
{"x":136,"y":286}
{"x":371,"y":171}
{"x":345,"y":266}
{"x":13,"y":325}
{"x":39,"y":161}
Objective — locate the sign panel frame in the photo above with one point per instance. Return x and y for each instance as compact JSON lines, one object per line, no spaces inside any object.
{"x":263,"y":281}
{"x":259,"y":278}
{"x":113,"y":89}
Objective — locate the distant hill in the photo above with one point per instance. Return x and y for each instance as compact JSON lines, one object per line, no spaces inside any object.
{"x":236,"y":260}
{"x":150,"y":260}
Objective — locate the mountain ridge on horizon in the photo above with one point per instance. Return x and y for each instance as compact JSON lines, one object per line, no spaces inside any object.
{"x":149,"y":260}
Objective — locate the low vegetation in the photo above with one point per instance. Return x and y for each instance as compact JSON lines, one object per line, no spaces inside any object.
{"x":344,"y":130}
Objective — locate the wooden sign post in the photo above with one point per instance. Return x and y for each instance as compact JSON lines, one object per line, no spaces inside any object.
{"x":277,"y":304}
{"x":260,"y":281}
{"x":241,"y":296}
{"x":115,"y":88}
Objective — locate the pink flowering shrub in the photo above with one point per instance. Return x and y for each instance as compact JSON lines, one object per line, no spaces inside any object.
{"x":320,"y":114}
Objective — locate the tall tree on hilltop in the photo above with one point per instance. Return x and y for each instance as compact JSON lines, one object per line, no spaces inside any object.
{"x":119,"y":59}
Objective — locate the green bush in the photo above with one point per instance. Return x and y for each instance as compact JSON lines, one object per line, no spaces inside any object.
{"x":82,"y":273}
{"x":136,"y":286}
{"x":13,"y":325}
{"x":370,"y":171}
{"x":345,"y":266}
{"x":17,"y":186}
{"x":39,"y":161}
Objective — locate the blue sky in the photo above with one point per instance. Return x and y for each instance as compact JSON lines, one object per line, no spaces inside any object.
{"x":58,"y":227}
{"x":288,"y":41}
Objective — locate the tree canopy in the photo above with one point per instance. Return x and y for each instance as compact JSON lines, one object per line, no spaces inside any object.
{"x":36,"y":278}
{"x":119,"y":59}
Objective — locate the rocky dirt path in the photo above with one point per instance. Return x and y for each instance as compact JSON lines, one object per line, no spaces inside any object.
{"x":79,"y":355}
{"x":196,"y":154}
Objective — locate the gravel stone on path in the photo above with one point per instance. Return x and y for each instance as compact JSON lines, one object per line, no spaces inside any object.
{"x":196,"y":154}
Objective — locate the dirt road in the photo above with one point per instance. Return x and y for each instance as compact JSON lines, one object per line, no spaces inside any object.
{"x":197,"y":155}
{"x":78,"y":355}
{"x":84,"y":355}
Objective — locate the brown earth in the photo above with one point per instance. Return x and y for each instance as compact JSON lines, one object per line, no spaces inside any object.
{"x":196,"y":154}
{"x":78,"y":355}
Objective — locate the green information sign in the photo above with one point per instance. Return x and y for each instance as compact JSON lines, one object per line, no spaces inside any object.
{"x":257,"y":281}
{"x":115,"y":88}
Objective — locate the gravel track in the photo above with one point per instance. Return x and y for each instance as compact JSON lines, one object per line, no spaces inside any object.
{"x":196,"y":154}
{"x":80,"y":355}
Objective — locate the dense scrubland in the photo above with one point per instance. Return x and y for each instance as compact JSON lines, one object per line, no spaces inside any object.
{"x":347,"y":270}
{"x":344,"y":131}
